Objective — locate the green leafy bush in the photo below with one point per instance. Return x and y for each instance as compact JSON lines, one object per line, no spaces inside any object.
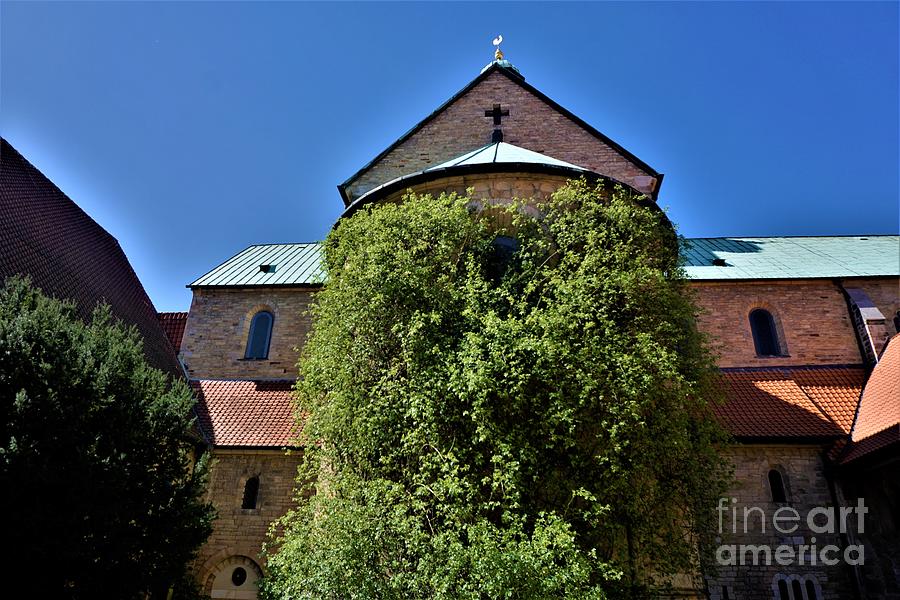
{"x":493,"y":424}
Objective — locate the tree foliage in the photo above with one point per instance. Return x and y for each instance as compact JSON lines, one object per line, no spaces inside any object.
{"x":493,"y":424}
{"x":98,"y":479}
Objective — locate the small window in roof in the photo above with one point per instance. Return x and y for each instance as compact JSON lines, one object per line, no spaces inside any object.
{"x":267,"y":268}
{"x":260,"y":335}
{"x":765,"y":336}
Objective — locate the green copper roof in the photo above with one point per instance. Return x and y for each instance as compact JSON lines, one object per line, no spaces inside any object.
{"x":745,"y":259}
{"x":268,"y":265}
{"x":792,"y":257}
{"x":501,"y":152}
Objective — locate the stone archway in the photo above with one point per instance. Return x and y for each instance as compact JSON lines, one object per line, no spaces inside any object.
{"x":235,"y":578}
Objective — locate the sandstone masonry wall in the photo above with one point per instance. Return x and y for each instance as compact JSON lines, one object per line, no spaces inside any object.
{"x":240,"y":532}
{"x":493,"y":186}
{"x":215,"y":336}
{"x":807,"y":488}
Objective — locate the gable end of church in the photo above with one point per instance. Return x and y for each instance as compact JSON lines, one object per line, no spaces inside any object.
{"x":527,"y":117}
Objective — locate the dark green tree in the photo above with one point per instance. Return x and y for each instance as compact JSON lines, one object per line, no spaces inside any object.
{"x":98,"y":478}
{"x":504,"y":403}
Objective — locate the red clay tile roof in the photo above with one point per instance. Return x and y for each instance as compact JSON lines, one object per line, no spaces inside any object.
{"x":790,"y":402}
{"x":877,"y":422}
{"x":45,"y":235}
{"x":880,"y":404}
{"x":246,"y":413}
{"x":866,"y":446}
{"x":173,"y":325}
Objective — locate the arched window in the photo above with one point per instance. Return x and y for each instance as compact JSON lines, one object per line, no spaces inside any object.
{"x":503,"y":252}
{"x":765,"y":336}
{"x":776,"y":484}
{"x":260,"y":335}
{"x":251,"y":493}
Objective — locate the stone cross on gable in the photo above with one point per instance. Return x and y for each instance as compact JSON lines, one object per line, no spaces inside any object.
{"x":497,"y":113}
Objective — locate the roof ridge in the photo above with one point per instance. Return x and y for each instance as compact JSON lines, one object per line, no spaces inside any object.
{"x":282,"y":244}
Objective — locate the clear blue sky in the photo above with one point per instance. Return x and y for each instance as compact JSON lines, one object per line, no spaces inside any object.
{"x":191,"y":130}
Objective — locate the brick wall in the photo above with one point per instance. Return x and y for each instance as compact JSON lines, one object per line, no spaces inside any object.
{"x":807,"y":488}
{"x":215,"y":337}
{"x":811,"y":317}
{"x":239,"y":532}
{"x":885,"y":293}
{"x":531,"y":124}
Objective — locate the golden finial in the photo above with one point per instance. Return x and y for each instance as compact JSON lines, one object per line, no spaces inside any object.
{"x":498,"y":55}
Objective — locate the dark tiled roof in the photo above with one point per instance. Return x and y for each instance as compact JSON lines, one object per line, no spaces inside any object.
{"x":790,"y":402}
{"x":246,"y":413}
{"x":45,"y":235}
{"x":173,"y":325}
{"x":877,"y":423}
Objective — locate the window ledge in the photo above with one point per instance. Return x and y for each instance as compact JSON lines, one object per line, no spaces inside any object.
{"x":253,"y":359}
{"x":773,"y":356}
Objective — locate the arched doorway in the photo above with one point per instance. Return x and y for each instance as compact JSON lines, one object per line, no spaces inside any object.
{"x":235,"y":577}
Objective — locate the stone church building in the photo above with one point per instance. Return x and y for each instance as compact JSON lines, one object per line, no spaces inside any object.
{"x":803,"y":328}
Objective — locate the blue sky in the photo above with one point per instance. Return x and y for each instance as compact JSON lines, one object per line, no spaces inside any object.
{"x":192,"y":130}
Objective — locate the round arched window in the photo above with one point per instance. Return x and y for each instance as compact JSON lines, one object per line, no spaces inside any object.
{"x":503,"y":251}
{"x":260,"y":335}
{"x":239,"y":576}
{"x":765,"y":336}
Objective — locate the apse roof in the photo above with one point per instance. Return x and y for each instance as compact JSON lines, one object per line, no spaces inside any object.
{"x":501,"y":152}
{"x":497,"y":157}
{"x":792,"y":257}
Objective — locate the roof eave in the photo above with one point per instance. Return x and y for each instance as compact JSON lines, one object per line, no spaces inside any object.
{"x":477,"y":169}
{"x":274,"y":448}
{"x":783,"y":279}
{"x":306,"y":286}
{"x":788,"y":439}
